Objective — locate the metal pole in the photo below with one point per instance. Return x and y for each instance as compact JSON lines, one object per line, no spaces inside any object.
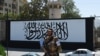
{"x":6,"y":32}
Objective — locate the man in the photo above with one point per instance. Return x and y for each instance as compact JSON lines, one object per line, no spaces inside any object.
{"x":50,"y":44}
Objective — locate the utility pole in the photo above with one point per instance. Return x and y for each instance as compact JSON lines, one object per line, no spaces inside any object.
{"x":7,"y":31}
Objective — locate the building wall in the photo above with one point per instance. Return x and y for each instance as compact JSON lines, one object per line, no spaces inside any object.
{"x":19,"y":4}
{"x":7,"y":6}
{"x":54,"y":13}
{"x":1,"y":6}
{"x":13,"y":6}
{"x":2,"y":30}
{"x":54,"y":9}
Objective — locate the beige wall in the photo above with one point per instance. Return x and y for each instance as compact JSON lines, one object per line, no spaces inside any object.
{"x":54,"y":13}
{"x":54,"y":9}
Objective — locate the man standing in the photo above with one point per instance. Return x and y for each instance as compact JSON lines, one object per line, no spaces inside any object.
{"x":50,"y":44}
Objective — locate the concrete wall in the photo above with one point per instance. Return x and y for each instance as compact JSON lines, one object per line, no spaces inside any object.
{"x":2,"y":30}
{"x":54,"y":9}
{"x":54,"y":13}
{"x":98,"y":42}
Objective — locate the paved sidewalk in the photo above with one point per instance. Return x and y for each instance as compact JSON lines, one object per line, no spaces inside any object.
{"x":31,"y":50}
{"x":37,"y":52}
{"x":21,"y":52}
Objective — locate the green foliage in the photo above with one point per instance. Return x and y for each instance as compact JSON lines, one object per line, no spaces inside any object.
{"x":70,"y":10}
{"x":2,"y":51}
{"x":35,"y":10}
{"x":9,"y":16}
{"x":70,"y":15}
{"x":2,"y":17}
